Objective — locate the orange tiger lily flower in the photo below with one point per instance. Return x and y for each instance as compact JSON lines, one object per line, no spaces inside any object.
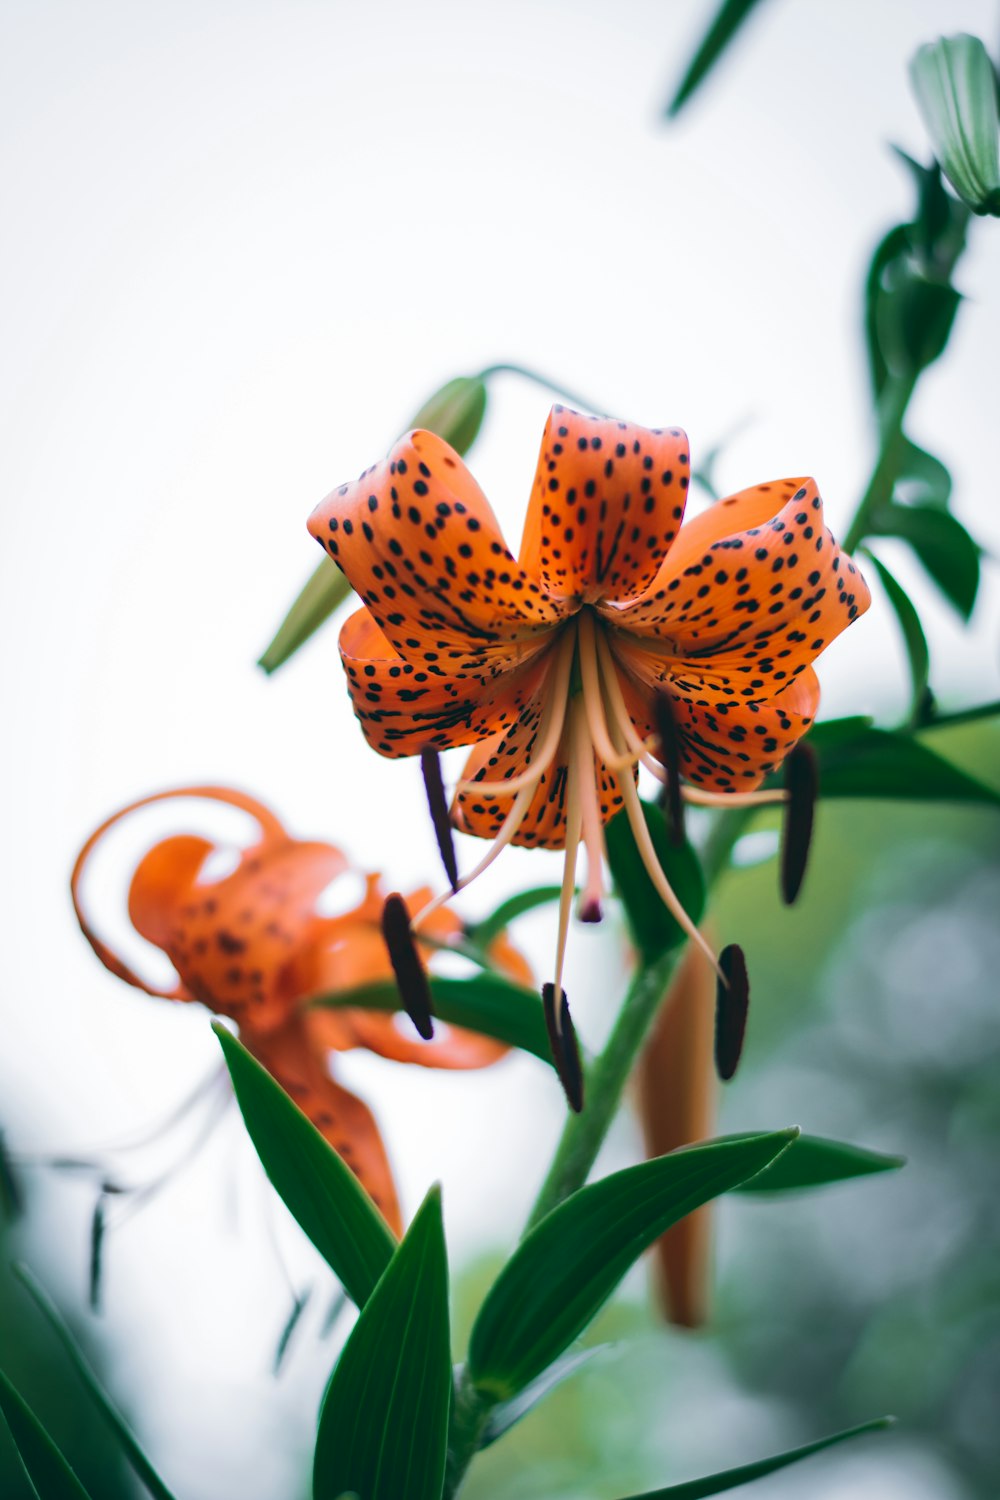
{"x":252,"y":946}
{"x":552,"y":663}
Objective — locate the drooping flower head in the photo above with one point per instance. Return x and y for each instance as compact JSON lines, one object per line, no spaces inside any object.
{"x":253,"y":946}
{"x":560,"y":666}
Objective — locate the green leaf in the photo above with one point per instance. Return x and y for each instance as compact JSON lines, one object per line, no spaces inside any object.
{"x":730,"y":1479}
{"x":487,"y":928}
{"x":887,"y":253}
{"x":126,"y":1438}
{"x":455,"y":412}
{"x":924,"y":479}
{"x":46,"y":1468}
{"x":917,"y":651}
{"x":486,"y":1003}
{"x":507,"y":1414}
{"x":325,"y":592}
{"x":729,"y":18}
{"x":829,"y":734}
{"x":812,"y":1161}
{"x":567,"y":1267}
{"x":942,"y":544}
{"x":654,"y":930}
{"x":319,"y":1190}
{"x":383,"y":1425}
{"x":894,"y":767}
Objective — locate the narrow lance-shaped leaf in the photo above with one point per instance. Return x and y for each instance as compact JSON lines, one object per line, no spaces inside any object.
{"x":944,"y":547}
{"x":383,"y":1426}
{"x":812,"y":1161}
{"x":48,"y":1472}
{"x":914,"y":639}
{"x":486,"y":1003}
{"x":728,"y":20}
{"x":564,"y":1271}
{"x":731,"y":1479}
{"x":319,"y":1190}
{"x":893,"y":767}
{"x":483,"y":931}
{"x":126,"y":1438}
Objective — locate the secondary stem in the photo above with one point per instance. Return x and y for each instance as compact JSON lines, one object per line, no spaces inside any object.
{"x":886,"y":470}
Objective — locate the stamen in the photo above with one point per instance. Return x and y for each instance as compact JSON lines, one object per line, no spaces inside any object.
{"x":508,"y":828}
{"x":620,"y":718}
{"x":732,"y":999}
{"x":647,"y":853}
{"x":549,"y":731}
{"x":801,"y":789}
{"x":565,"y":1048}
{"x":96,"y":1248}
{"x":437,"y":802}
{"x":582,"y":756}
{"x":593,"y":700}
{"x":411,"y":976}
{"x":670,"y":754}
{"x":699,"y":797}
{"x":573,"y":825}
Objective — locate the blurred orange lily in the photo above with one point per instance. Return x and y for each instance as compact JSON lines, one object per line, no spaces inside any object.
{"x":563,"y":665}
{"x":252,"y":946}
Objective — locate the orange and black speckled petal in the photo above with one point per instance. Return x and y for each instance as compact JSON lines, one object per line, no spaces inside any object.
{"x":508,"y":755}
{"x":728,"y":742}
{"x":418,"y":541}
{"x":291,"y":1056}
{"x":402,"y":707}
{"x":757,"y":578}
{"x":607,"y":503}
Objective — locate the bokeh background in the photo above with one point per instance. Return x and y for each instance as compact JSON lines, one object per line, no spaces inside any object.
{"x":243,"y":243}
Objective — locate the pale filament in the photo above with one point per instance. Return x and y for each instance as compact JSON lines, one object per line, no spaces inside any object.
{"x":665,"y":891}
{"x":696,"y":795}
{"x":550,"y":730}
{"x":593,"y":702}
{"x":573,"y":824}
{"x":582,"y":771}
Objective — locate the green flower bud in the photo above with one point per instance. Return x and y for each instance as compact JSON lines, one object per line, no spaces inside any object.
{"x":455,"y":412}
{"x":956,"y":91}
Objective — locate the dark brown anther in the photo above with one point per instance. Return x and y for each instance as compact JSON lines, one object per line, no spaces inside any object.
{"x":96,"y":1254}
{"x":430,"y":765}
{"x":732,"y":1000}
{"x":565,"y":1048}
{"x":411,"y":976}
{"x":670,"y":758}
{"x":802,"y":786}
{"x":591,"y":911}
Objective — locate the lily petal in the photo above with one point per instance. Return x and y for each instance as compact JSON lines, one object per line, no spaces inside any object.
{"x":402,"y":706}
{"x":757,"y":575}
{"x":417,"y":539}
{"x":728,"y":742}
{"x":291,"y":1057}
{"x":607,"y":503}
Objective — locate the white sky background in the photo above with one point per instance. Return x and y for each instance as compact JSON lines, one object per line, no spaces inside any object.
{"x":243,"y":242}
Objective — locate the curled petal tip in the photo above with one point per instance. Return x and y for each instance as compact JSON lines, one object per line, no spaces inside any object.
{"x":732,"y":999}
{"x":802,"y":787}
{"x":565,"y":1048}
{"x":411,"y":976}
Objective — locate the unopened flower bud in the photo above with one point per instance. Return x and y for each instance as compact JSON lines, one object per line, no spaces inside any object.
{"x":956,"y":89}
{"x":455,"y":412}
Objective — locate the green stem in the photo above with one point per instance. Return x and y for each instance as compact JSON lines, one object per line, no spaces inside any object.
{"x":607,"y":1075}
{"x":886,"y":470}
{"x":469,"y":1415}
{"x":962,"y":716}
{"x":542,"y":380}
